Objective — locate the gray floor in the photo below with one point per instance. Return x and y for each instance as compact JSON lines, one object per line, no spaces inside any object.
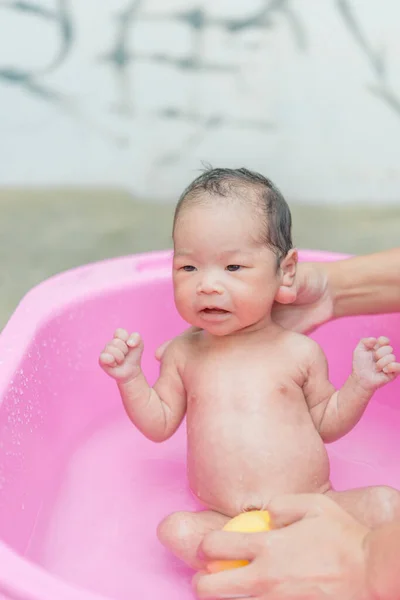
{"x":44,"y":232}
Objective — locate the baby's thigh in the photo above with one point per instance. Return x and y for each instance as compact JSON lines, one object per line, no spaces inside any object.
{"x":183,"y":532}
{"x":372,"y":506}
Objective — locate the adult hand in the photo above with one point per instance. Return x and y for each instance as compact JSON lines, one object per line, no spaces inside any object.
{"x":308,"y":303}
{"x":316,"y":551}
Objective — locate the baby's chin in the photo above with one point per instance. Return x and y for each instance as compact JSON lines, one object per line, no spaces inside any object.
{"x":218,"y":333}
{"x":219,"y":330}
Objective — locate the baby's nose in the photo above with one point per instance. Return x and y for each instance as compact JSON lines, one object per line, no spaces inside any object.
{"x":209,"y":285}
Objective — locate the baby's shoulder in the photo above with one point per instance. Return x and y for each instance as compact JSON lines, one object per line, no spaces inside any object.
{"x":186,"y":342}
{"x":304,"y":346}
{"x":180,"y":347}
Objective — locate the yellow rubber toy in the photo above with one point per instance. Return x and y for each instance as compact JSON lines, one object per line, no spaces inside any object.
{"x":252,"y":521}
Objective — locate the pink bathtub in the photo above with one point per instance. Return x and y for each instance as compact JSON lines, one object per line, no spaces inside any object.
{"x":81,"y":491}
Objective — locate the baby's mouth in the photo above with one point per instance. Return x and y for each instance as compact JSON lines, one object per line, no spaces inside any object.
{"x":214,"y":311}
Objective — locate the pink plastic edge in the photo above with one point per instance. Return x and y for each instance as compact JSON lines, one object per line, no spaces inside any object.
{"x":45,"y":301}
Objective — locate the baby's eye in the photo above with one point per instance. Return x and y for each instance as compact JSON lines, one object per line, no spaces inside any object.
{"x":233,"y":267}
{"x":188,"y":268}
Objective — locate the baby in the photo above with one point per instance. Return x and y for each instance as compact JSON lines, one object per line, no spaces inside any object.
{"x":257,"y":397}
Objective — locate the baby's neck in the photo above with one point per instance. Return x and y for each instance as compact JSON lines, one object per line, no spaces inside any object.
{"x":267,"y":329}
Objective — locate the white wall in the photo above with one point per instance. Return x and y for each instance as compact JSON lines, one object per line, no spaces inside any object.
{"x":135,"y":93}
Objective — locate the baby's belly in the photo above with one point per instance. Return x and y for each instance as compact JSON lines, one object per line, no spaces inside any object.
{"x":239,"y":469}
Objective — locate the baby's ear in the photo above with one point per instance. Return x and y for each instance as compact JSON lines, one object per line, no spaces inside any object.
{"x":287,"y":292}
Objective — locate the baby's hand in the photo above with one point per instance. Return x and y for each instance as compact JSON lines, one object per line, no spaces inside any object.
{"x":121,"y":357}
{"x":374,"y":363}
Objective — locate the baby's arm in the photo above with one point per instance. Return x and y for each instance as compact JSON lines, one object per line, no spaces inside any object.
{"x":156,"y":411}
{"x":336,"y":412}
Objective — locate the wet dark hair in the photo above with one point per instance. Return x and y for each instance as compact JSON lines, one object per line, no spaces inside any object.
{"x":273,"y":208}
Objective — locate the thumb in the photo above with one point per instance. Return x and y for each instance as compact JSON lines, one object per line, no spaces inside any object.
{"x":288,"y":509}
{"x":368,"y":343}
{"x":286,"y":294}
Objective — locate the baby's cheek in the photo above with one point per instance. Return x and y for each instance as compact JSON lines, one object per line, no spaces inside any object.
{"x":183,"y":300}
{"x":181,"y":292}
{"x":259,"y":304}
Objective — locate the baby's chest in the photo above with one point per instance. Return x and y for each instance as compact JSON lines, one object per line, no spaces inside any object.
{"x":241,"y":378}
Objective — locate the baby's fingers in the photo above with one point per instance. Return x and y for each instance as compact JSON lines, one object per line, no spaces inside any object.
{"x":107,"y":360}
{"x":121,"y":334}
{"x":369,"y":343}
{"x":134,"y":340}
{"x":392,"y":369}
{"x":381,"y":341}
{"x":383,"y":351}
{"x":115,"y":352}
{"x":118,"y":343}
{"x":385,"y":361}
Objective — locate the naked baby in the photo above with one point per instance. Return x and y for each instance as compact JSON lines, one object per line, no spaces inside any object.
{"x":257,"y":397}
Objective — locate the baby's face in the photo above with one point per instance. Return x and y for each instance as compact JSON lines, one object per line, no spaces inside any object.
{"x":225,"y":279}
